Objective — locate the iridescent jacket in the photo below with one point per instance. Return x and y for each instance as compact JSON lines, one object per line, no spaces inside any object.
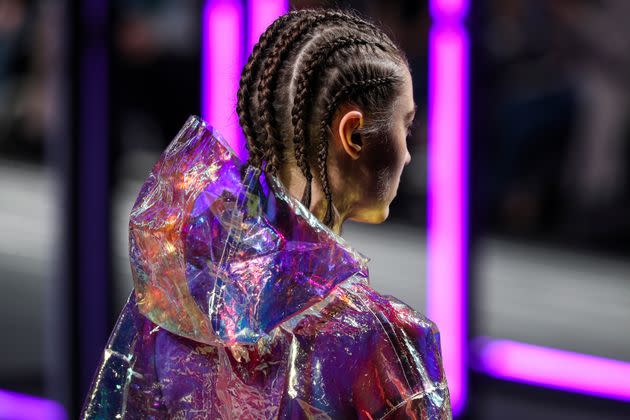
{"x":246,"y":306}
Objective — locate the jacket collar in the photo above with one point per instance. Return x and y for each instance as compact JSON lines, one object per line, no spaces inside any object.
{"x":221,"y":253}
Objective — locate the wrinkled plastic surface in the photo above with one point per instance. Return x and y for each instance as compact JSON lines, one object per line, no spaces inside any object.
{"x":245,"y":306}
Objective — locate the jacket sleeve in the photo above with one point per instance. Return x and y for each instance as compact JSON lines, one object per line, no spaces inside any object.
{"x":402,"y":376}
{"x":125,"y":384}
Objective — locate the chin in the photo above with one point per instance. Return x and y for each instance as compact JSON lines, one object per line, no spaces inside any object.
{"x":372,"y":217}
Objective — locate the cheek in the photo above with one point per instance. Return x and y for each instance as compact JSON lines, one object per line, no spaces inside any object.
{"x":383,"y":157}
{"x":393,"y":156}
{"x":397,"y":162}
{"x":384,"y":168}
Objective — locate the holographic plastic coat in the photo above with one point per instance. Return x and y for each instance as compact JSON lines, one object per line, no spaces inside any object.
{"x":247,"y":307}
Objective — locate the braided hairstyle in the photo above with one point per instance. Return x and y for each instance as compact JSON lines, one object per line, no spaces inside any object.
{"x":305,"y":66}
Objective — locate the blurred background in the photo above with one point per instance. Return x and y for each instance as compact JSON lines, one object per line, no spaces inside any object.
{"x":91,"y":92}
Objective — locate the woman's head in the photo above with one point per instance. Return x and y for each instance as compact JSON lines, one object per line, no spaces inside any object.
{"x":327,"y":95}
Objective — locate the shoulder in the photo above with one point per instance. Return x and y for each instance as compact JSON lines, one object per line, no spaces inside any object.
{"x":377,"y":326}
{"x":413,"y":336}
{"x":394,"y":308}
{"x":389,"y":352}
{"x":389,"y":310}
{"x":355,"y":305}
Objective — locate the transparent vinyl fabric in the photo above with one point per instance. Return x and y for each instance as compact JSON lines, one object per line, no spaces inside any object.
{"x":246,"y":306}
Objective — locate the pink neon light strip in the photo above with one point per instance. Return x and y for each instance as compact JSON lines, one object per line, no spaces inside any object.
{"x":14,"y":406}
{"x":221,"y":55}
{"x":447,"y":195}
{"x":261,"y":14}
{"x":223,"y":59}
{"x":442,"y":10}
{"x":553,"y":368}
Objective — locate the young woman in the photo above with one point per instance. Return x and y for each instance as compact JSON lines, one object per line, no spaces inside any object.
{"x":247,"y":302}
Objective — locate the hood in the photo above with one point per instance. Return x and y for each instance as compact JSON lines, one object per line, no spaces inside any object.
{"x":221,"y":253}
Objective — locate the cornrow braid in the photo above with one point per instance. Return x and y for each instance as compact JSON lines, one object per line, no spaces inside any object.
{"x":322,"y":153}
{"x":266,"y":92}
{"x":301,"y":107}
{"x":248,"y":74}
{"x":329,"y":57}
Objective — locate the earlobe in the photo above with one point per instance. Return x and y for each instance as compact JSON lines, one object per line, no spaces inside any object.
{"x":356,"y":141}
{"x":350,"y":139}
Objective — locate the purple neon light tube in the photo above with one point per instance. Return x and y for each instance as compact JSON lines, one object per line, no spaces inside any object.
{"x":223,"y":59}
{"x":222,"y":62}
{"x":14,"y":406}
{"x":553,"y":368}
{"x":447,"y":190}
{"x":453,"y":10}
{"x":261,"y":14}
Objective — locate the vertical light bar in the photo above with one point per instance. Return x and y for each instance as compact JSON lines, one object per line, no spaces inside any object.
{"x":558,"y":369}
{"x":14,"y":406}
{"x":261,"y":14}
{"x":448,"y":10}
{"x":222,"y":62}
{"x":447,"y":208}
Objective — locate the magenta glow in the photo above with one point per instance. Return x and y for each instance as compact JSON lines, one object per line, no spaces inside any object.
{"x":261,"y":14}
{"x":15,"y":406}
{"x":222,"y":41}
{"x":552,"y":368}
{"x":447,"y":199}
{"x":448,"y":9}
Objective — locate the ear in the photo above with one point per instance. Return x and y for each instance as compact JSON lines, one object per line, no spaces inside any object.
{"x":349,"y":138}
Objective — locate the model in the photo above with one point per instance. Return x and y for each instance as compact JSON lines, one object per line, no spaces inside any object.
{"x":247,"y":303}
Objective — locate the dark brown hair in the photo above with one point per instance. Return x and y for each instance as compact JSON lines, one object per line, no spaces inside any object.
{"x":304,"y":67}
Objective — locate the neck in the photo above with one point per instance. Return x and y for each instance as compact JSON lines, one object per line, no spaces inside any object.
{"x":295,"y":182}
